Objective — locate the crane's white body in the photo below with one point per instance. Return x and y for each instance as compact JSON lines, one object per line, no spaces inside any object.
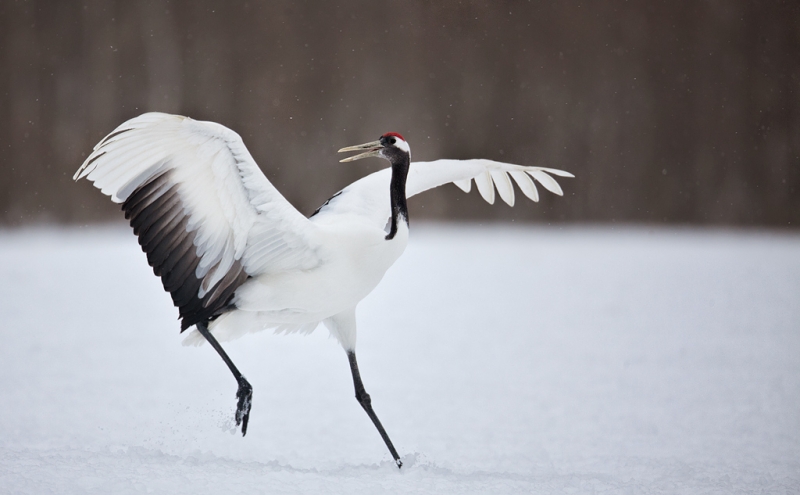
{"x":355,"y":252}
{"x":301,"y":271}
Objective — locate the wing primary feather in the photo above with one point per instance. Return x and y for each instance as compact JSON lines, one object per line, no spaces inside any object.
{"x":87,"y":167}
{"x":116,"y":165}
{"x":114,"y":136}
{"x":504,"y":187}
{"x":122,"y":144}
{"x":548,"y":182}
{"x":464,"y":184}
{"x":142,"y":177}
{"x":526,"y":185}
{"x":485,"y":186}
{"x":555,"y":171}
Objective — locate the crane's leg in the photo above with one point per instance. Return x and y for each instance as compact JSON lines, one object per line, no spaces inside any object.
{"x":363,"y":398}
{"x":245,"y":392}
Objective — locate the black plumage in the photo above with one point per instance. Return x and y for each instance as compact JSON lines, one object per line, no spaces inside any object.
{"x":159,"y":219}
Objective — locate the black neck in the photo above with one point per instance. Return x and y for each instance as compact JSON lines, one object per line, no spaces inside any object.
{"x":397,"y":192}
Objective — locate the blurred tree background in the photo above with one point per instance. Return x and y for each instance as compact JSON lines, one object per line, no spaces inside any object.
{"x":666,"y":111}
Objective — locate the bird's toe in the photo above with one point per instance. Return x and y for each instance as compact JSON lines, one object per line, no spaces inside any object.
{"x":245,"y":396}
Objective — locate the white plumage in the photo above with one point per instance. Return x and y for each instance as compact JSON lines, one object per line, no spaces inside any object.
{"x":237,"y":256}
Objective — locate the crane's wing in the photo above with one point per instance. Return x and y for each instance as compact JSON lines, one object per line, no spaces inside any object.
{"x":369,"y":197}
{"x":427,"y":175}
{"x":205,"y":214}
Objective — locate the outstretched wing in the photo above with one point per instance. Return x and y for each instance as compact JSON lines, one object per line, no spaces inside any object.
{"x":205,"y":214}
{"x":486,"y":174}
{"x":369,"y":196}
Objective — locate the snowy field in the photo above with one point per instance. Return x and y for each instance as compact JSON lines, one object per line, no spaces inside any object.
{"x":500,"y":360}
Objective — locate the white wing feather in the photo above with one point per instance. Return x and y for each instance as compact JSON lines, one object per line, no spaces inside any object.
{"x":369,"y":198}
{"x":235,"y":212}
{"x":485,"y":187}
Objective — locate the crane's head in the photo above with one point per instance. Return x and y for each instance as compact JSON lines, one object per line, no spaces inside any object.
{"x":391,"y":146}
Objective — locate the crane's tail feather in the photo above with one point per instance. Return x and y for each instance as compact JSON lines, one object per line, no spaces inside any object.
{"x":235,"y":324}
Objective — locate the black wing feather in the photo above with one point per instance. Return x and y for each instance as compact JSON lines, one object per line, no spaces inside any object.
{"x":157,"y":216}
{"x":169,"y":243}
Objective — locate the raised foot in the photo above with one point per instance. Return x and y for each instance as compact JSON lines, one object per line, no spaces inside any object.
{"x":245,"y":396}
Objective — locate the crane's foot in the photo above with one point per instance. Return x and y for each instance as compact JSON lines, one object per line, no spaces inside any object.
{"x":245,"y":396}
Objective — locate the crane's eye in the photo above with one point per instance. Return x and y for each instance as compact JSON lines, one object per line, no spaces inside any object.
{"x":392,"y":140}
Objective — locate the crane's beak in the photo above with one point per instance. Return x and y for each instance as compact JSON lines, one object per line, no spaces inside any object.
{"x":374,"y":149}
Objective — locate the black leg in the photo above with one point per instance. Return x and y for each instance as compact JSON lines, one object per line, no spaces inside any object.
{"x":245,"y":392}
{"x":363,"y":398}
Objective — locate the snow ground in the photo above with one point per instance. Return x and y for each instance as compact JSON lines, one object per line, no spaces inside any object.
{"x":577,"y":360}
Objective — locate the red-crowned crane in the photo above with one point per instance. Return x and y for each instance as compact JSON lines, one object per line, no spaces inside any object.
{"x":237,"y":257}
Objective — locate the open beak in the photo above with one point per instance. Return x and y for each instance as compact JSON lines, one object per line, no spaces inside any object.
{"x":373,"y":149}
